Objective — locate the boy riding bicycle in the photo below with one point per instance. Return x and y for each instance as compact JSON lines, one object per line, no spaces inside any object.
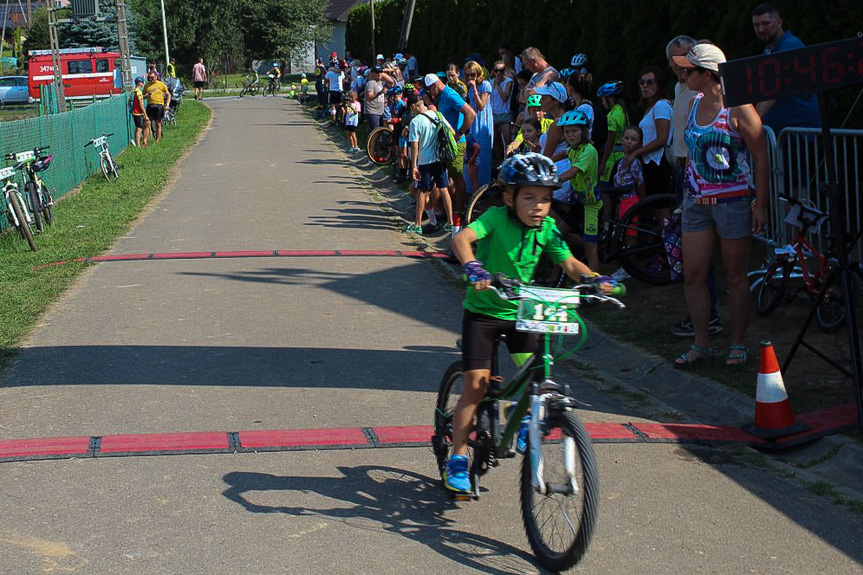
{"x":510,"y":241}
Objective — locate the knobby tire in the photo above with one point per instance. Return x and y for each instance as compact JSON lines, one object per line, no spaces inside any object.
{"x":830,"y":313}
{"x":646,"y":260}
{"x":35,"y":204}
{"x":490,"y":195}
{"x":23,"y":224}
{"x":561,"y":551}
{"x":448,"y":393}
{"x":47,"y":201}
{"x":381,"y":147}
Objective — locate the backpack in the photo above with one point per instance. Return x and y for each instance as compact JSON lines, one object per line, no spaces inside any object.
{"x":599,"y":132}
{"x":446,"y":146}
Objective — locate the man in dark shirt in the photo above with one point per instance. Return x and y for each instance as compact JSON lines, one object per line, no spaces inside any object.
{"x":800,"y":111}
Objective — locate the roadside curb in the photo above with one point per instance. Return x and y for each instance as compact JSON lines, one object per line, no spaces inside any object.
{"x":661,"y":391}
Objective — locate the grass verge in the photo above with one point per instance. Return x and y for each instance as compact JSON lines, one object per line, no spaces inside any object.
{"x":87,"y":223}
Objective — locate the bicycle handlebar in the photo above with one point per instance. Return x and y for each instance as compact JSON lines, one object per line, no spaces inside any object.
{"x":506,"y":288}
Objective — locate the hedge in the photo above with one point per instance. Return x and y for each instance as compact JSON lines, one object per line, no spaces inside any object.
{"x":620,"y":37}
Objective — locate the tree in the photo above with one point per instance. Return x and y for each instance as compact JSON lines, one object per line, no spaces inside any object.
{"x":38,"y":37}
{"x":276,"y":28}
{"x":88,"y":32}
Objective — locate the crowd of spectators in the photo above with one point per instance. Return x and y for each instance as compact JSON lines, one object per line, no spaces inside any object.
{"x":524,"y":103}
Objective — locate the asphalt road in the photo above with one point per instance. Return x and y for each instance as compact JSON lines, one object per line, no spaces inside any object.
{"x":269,"y":343}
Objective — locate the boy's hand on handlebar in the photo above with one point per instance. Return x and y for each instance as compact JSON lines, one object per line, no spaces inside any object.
{"x":607,"y":285}
{"x":476,"y":274}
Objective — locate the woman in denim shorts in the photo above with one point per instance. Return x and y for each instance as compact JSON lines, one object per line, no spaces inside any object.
{"x":725,"y":144}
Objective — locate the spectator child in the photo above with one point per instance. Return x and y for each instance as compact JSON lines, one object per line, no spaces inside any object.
{"x":534,"y":111}
{"x":584,"y":162}
{"x":139,"y":113}
{"x":632,"y":175}
{"x":531,"y":130}
{"x":352,"y":111}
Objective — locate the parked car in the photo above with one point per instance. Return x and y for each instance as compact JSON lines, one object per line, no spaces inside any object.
{"x":13,"y":90}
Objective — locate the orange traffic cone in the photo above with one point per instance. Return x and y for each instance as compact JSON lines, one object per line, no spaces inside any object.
{"x":773,"y":415}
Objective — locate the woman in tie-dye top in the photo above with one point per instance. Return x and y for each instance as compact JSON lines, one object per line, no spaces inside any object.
{"x":727,"y":148}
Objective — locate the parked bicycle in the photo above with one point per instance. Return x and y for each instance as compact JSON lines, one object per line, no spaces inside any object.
{"x":18,"y":215}
{"x":559,"y":478}
{"x":41,"y":203}
{"x":633,"y":239}
{"x":802,"y":260}
{"x":106,"y":162}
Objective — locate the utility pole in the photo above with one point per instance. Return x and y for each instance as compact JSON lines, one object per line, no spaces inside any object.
{"x":123,"y":36}
{"x":52,"y":7}
{"x":406,"y":24}
{"x":165,"y":32}
{"x":374,"y":53}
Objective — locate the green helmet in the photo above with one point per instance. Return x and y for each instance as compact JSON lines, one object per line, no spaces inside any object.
{"x":533,"y":100}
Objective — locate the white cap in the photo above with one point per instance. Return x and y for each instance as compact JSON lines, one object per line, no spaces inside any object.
{"x":380,"y":57}
{"x":430,"y":79}
{"x":555,"y":89}
{"x":705,"y":56}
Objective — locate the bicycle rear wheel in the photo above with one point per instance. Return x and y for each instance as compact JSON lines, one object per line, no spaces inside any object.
{"x":644,"y":257}
{"x":830,"y":313}
{"x":490,"y":195}
{"x":773,"y":286}
{"x":449,"y":392}
{"x":33,"y":197}
{"x":381,"y":146}
{"x":23,"y":224}
{"x":560,"y":522}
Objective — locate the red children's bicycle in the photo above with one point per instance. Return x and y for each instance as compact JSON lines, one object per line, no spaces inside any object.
{"x":803,"y":261}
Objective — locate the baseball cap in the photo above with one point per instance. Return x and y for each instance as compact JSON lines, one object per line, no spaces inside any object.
{"x":705,"y":56}
{"x":554,"y":89}
{"x":377,"y":69}
{"x":430,"y":79}
{"x":380,"y":57}
{"x":412,"y":98}
{"x":398,"y":56}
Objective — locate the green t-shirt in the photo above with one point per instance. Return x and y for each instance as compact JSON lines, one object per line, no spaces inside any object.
{"x":616,"y":123}
{"x":585,"y":158}
{"x":506,"y":246}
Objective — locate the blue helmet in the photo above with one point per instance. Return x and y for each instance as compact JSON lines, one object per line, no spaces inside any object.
{"x":579,"y":60}
{"x":529,"y":169}
{"x":610,"y":89}
{"x":573,"y":118}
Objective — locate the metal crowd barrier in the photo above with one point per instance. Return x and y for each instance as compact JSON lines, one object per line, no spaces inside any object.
{"x":799,"y":170}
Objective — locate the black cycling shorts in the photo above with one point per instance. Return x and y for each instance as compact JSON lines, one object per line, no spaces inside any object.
{"x":156,"y":112}
{"x":478,"y":332}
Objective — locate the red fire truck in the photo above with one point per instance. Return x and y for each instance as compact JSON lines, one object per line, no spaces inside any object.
{"x":86,"y":72}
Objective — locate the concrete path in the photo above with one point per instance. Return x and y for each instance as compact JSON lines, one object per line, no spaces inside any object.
{"x":270,"y":343}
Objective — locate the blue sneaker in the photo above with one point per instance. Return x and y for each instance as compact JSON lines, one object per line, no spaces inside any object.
{"x":457,"y":475}
{"x":521,"y":437}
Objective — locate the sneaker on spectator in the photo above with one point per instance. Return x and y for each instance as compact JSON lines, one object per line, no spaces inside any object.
{"x":620,"y":275}
{"x":684,"y":328}
{"x":414,"y":229}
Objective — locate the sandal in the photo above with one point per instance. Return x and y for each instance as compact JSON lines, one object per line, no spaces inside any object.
{"x":686,"y":362}
{"x":737,"y":355}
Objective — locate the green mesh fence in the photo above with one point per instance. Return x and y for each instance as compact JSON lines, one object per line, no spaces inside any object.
{"x":66,"y":134}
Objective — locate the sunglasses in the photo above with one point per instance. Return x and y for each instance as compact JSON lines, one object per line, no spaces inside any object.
{"x":470,"y":75}
{"x":496,"y":70}
{"x":646,"y":82}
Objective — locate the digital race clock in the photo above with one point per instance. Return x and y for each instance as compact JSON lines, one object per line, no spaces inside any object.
{"x":792,"y":72}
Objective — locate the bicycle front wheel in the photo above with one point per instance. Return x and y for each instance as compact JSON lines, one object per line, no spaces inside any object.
{"x":773,"y":286}
{"x":35,"y":205}
{"x":23,"y":224}
{"x":830,"y":313}
{"x":643,"y":254}
{"x":488,"y":196}
{"x":559,"y":522}
{"x":47,"y":203}
{"x":381,"y":146}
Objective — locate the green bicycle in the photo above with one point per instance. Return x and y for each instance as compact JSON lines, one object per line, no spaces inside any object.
{"x":559,"y":489}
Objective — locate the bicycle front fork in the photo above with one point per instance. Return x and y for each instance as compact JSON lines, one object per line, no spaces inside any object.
{"x":539,"y":413}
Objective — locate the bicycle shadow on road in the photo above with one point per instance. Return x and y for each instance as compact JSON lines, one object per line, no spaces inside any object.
{"x":386,"y":499}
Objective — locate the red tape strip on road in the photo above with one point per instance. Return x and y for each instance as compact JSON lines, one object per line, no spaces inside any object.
{"x":830,"y":420}
{"x":162,"y":256}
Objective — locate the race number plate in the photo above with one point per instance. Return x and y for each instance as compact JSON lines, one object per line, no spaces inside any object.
{"x":6,"y":173}
{"x":24,"y":156}
{"x":545,"y":310}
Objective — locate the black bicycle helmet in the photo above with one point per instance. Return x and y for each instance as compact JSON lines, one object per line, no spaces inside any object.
{"x":529,"y":169}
